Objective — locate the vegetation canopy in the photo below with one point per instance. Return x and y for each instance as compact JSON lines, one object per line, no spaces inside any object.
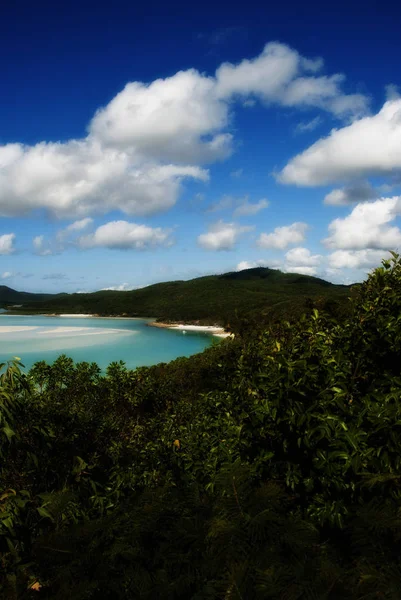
{"x":269,"y":466}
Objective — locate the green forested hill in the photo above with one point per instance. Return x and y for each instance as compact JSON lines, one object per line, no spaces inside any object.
{"x":215,"y":298}
{"x":10,"y":296}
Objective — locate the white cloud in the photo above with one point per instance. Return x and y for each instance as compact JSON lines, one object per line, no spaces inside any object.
{"x":40,"y":246}
{"x":222,"y":236}
{"x":237,"y":173}
{"x":369,"y":146}
{"x":297,"y":260}
{"x":311,"y":125}
{"x":123,"y":235}
{"x":67,"y":234}
{"x":246,"y":209}
{"x":281,"y":75}
{"x":252,"y":264}
{"x":7,"y":243}
{"x":82,"y":177}
{"x":123,"y":287}
{"x":79,"y":225}
{"x":358,"y":192}
{"x":284,"y":236}
{"x":357,"y":259}
{"x":367,"y":226}
{"x":302,"y":256}
{"x":300,"y":260}
{"x":167,"y":119}
{"x":7,"y":275}
{"x":242,"y":206}
{"x":302,"y":270}
{"x":150,"y":137}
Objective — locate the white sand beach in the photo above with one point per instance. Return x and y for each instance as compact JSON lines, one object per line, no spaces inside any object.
{"x":213,"y":329}
{"x":75,"y":315}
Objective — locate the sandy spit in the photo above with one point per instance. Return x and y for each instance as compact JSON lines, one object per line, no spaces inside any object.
{"x":213,"y":329}
{"x":75,"y":315}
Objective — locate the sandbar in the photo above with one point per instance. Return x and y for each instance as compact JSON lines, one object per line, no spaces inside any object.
{"x":82,"y":315}
{"x":16,"y":328}
{"x":215,"y":330}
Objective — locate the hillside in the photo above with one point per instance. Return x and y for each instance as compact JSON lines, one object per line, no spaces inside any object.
{"x":10,"y":296}
{"x":216,"y":298}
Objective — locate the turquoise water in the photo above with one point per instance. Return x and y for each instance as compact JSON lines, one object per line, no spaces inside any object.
{"x":103,"y":341}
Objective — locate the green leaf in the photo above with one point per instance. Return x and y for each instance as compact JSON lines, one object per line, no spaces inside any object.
{"x":9,"y":432}
{"x":44,"y":513}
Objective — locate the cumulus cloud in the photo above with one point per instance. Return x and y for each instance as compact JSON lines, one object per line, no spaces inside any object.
{"x":123,"y":235}
{"x":358,"y":192}
{"x":151,"y":136}
{"x":297,"y":260}
{"x":301,"y":260}
{"x":7,"y":275}
{"x":302,"y":270}
{"x":281,"y":75}
{"x":167,"y":119}
{"x":284,"y":236}
{"x":222,"y":236}
{"x":367,"y":226}
{"x":302,"y":256}
{"x":7,"y":243}
{"x":357,"y":259}
{"x":82,"y":177}
{"x":247,"y":209}
{"x":123,"y":287}
{"x":252,"y":264}
{"x":369,"y":146}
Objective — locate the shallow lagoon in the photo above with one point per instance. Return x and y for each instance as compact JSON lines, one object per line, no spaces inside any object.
{"x":99,"y":340}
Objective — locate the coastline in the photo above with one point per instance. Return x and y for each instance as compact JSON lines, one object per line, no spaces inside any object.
{"x":214,"y":330}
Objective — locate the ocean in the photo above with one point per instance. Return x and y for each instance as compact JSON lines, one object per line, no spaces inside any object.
{"x":101,"y":340}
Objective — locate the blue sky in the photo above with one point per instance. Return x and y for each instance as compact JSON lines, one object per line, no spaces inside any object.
{"x":154,"y":142}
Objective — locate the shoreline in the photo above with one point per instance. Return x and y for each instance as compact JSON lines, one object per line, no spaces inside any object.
{"x":214,"y":330}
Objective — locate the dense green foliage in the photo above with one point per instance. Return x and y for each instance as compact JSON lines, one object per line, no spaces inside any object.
{"x":269,"y":466}
{"x":261,"y":293}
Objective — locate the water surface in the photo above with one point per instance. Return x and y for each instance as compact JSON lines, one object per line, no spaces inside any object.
{"x":34,"y":338}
